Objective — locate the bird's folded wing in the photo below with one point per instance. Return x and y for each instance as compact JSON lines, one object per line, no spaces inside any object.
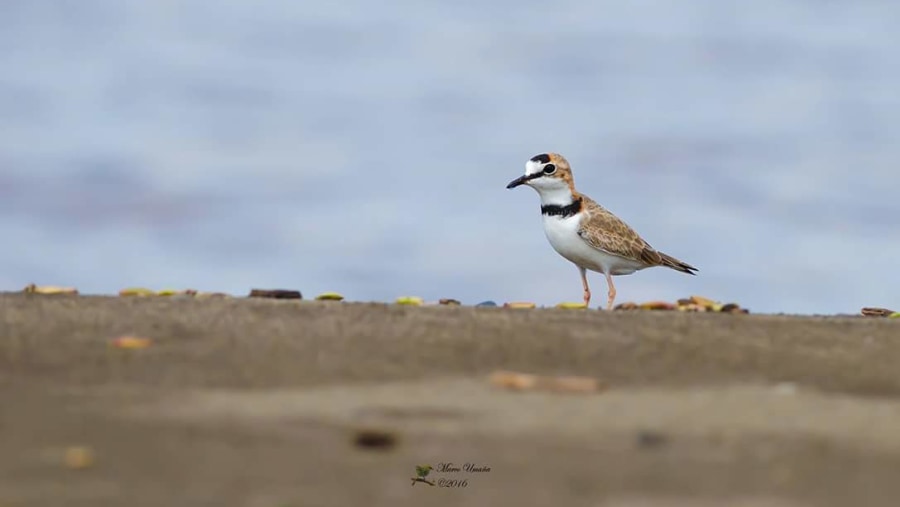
{"x":604,"y":231}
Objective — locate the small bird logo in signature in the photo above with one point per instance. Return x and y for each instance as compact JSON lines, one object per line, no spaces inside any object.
{"x":422,"y":472}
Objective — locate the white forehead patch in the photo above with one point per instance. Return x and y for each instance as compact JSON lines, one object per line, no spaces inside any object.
{"x":532,"y":167}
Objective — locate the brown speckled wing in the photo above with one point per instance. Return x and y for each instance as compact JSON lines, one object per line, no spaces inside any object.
{"x":605,"y":231}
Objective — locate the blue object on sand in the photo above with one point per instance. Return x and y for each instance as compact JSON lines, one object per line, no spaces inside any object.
{"x":486,"y":304}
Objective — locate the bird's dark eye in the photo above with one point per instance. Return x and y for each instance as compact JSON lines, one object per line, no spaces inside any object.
{"x":549,"y":169}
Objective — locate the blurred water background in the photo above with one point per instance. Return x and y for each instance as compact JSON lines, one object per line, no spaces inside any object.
{"x":363,"y":147}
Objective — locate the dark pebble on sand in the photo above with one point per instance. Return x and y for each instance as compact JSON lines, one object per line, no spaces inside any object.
{"x":733,"y":308}
{"x":647,"y":439}
{"x":377,"y":440}
{"x":276,"y":294}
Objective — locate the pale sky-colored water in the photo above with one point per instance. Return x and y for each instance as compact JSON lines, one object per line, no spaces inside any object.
{"x":363,"y":147}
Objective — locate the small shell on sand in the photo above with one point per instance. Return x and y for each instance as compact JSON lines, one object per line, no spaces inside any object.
{"x":49,"y":289}
{"x":572,"y":306}
{"x":519,"y":304}
{"x":527,"y":382}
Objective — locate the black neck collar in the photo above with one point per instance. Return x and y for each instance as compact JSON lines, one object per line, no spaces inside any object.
{"x":555,"y":210}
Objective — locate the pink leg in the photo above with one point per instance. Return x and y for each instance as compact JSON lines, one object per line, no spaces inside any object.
{"x":587,"y":290}
{"x":611,"y":293}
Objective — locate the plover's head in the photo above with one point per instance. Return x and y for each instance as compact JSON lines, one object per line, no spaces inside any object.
{"x":547,"y":172}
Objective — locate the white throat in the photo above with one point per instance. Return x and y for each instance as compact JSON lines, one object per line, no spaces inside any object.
{"x":556,"y":195}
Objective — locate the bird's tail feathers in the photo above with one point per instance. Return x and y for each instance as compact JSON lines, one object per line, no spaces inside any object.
{"x":671,"y":262}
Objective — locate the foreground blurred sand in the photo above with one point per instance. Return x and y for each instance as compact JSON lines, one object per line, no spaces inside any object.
{"x":256,"y":402}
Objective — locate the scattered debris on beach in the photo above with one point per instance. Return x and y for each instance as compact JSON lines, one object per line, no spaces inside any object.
{"x":49,"y":289}
{"x":176,"y":292}
{"x":78,"y":457}
{"x":275,"y":294}
{"x":689,"y":304}
{"x":214,"y":295}
{"x":374,"y":439}
{"x":137,"y":292}
{"x":571,"y":306}
{"x":410,"y":301}
{"x":329,"y":296}
{"x":515,"y":381}
{"x":520,"y":304}
{"x":131,"y":342}
{"x":880,"y":312}
{"x":145,"y":292}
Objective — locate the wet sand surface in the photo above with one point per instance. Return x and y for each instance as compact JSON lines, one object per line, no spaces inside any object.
{"x":258,"y":402}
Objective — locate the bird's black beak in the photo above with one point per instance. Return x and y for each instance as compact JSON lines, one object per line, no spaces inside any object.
{"x":521,"y":180}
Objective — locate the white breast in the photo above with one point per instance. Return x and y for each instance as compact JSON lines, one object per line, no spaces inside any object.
{"x":563,"y":236}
